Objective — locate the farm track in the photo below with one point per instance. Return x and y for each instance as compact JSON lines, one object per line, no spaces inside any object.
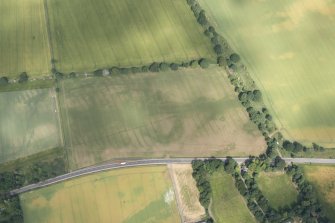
{"x":47,"y":23}
{"x":145,"y":162}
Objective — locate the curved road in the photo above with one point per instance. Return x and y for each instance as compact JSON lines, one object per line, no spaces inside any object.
{"x":145,"y":162}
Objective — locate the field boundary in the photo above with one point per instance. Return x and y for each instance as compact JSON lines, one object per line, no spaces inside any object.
{"x":123,"y":195}
{"x":143,"y":162}
{"x":64,"y":118}
{"x":55,"y":100}
{"x":151,"y":96}
{"x":246,"y":87}
{"x":50,"y":44}
{"x":176,"y":193}
{"x":146,"y":44}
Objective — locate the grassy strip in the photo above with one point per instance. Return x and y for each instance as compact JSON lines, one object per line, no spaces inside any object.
{"x":46,"y":156}
{"x":35,"y":84}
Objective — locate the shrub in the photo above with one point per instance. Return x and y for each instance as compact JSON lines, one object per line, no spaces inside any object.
{"x":194,"y":64}
{"x":98,"y":73}
{"x":234,"y":58}
{"x":3,"y":80}
{"x":257,"y":95}
{"x":115,"y":70}
{"x":125,"y":70}
{"x":145,"y":69}
{"x":218,"y":49}
{"x":23,"y":77}
{"x":174,"y":66}
{"x":164,"y":66}
{"x":204,"y":63}
{"x":221,"y":61}
{"x":154,"y":67}
{"x":72,"y":75}
{"x":135,"y":70}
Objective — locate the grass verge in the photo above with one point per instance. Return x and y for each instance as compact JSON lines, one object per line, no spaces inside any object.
{"x":277,"y":187}
{"x":228,"y":206}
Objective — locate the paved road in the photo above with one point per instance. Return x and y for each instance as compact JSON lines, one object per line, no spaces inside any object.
{"x":144,"y":162}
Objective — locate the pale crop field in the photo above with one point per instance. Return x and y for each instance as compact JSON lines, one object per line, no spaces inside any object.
{"x":29,"y":123}
{"x":187,"y":192}
{"x":92,"y":34}
{"x":131,"y":195}
{"x":228,"y":205}
{"x":192,"y":112}
{"x":23,"y":38}
{"x":276,"y":184}
{"x":323,"y":180}
{"x":288,"y":47}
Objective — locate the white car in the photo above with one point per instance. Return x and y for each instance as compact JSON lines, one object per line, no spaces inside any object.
{"x":123,"y":163}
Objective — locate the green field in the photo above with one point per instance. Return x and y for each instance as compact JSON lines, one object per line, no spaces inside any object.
{"x":131,"y":195}
{"x":192,"y":112}
{"x":23,"y":38}
{"x":228,"y":205}
{"x":93,"y":34}
{"x":277,"y":187}
{"x":29,"y":123}
{"x":323,"y":180}
{"x":288,"y":47}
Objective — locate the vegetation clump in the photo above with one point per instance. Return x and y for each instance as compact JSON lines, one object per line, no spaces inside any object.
{"x":10,"y":208}
{"x":307,"y":207}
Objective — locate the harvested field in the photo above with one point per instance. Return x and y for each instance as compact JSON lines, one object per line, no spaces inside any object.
{"x":143,"y":194}
{"x":288,"y":47}
{"x":23,"y":38}
{"x":192,"y":112}
{"x":94,"y":34}
{"x":187,"y":193}
{"x":278,"y":188}
{"x":29,"y":123}
{"x":228,"y":205}
{"x":323,"y":180}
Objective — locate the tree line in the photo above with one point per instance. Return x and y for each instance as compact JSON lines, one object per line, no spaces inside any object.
{"x":23,"y":77}
{"x":248,"y":94}
{"x":307,"y":207}
{"x":10,"y":208}
{"x":202,"y":171}
{"x":153,"y":67}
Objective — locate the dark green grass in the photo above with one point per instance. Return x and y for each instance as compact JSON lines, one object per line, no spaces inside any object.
{"x":277,"y":188}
